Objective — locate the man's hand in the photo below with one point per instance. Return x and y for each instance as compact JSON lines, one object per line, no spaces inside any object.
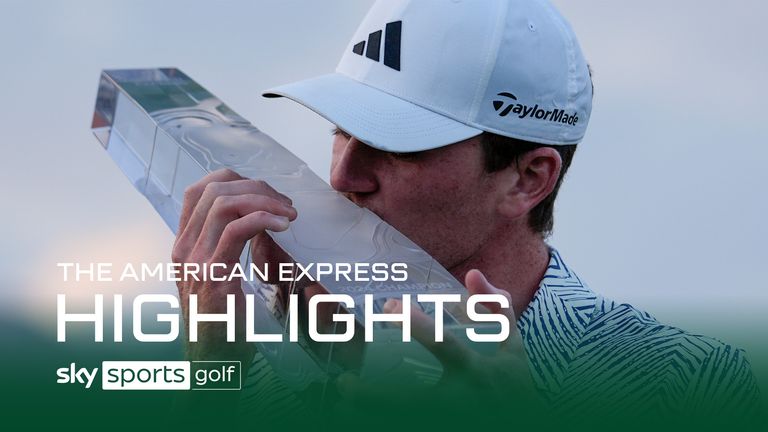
{"x":470,"y":380}
{"x":220,"y":214}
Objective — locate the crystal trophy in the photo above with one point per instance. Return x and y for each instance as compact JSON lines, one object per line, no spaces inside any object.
{"x":166,"y":132}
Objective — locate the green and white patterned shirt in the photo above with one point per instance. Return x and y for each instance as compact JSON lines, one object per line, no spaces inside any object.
{"x":583,"y":348}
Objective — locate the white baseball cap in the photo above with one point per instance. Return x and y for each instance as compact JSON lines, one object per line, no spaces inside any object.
{"x":422,"y":74}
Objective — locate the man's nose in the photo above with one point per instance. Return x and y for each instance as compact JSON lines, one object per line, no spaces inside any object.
{"x":353,"y":167}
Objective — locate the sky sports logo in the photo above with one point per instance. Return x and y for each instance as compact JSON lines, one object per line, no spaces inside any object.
{"x":156,"y":375}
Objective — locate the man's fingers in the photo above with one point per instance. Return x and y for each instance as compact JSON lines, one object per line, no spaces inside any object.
{"x":238,"y":232}
{"x":193,"y":193}
{"x":214,"y":190}
{"x":199,"y":200}
{"x":227,"y":209}
{"x":452,"y":353}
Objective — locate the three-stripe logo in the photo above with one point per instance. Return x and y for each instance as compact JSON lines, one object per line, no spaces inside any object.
{"x":392,"y":35}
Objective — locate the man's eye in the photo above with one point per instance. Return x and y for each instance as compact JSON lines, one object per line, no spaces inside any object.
{"x":406,"y":156}
{"x":337,"y":131}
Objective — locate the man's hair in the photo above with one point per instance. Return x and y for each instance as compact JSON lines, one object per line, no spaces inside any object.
{"x":500,"y":152}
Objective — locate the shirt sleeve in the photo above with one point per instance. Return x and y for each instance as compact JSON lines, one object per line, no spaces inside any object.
{"x":724,"y":386}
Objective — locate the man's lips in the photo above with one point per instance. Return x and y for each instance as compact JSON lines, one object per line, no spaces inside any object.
{"x":357,"y":199}
{"x":362,"y":201}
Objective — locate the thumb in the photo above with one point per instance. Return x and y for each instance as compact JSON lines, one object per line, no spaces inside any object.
{"x":476,"y":283}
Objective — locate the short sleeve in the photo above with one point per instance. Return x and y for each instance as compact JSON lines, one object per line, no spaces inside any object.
{"x":724,"y":386}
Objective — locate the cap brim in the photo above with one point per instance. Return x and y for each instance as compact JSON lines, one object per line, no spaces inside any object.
{"x":374,"y":117}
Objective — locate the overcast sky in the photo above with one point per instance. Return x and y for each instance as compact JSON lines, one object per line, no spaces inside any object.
{"x":664,"y":207}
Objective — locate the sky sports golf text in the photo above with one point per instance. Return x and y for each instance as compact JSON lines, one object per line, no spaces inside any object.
{"x":156,"y":375}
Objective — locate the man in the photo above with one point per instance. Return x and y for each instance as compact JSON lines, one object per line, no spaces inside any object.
{"x":456,"y":122}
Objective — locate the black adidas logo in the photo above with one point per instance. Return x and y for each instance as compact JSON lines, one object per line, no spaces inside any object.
{"x":391,"y":45}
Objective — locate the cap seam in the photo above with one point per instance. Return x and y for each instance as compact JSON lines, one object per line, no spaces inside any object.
{"x":570,"y":102}
{"x":493,"y":55}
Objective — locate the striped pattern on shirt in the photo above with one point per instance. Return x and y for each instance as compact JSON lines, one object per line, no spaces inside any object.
{"x":582,"y":348}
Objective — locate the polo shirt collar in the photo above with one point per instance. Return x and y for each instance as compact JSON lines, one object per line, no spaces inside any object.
{"x":554,"y":322}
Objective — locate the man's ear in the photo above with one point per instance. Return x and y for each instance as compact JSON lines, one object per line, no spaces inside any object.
{"x":536,"y":172}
